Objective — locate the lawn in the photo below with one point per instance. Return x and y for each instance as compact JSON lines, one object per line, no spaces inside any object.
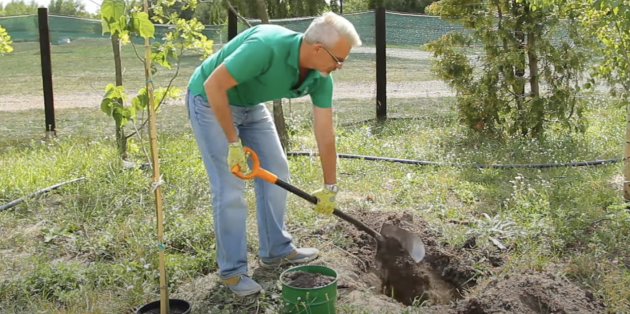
{"x":87,"y":65}
{"x":90,"y":246}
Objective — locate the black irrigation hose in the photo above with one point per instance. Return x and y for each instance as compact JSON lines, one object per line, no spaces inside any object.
{"x":42,"y":191}
{"x":420,"y":162}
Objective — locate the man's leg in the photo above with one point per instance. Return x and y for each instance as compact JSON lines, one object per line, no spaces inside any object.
{"x":228,"y":203}
{"x":259,"y":133}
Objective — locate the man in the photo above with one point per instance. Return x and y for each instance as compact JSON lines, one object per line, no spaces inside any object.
{"x":225,"y":100}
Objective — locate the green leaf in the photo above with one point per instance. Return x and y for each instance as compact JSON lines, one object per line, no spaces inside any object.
{"x":120,"y":116}
{"x":163,"y":93}
{"x":161,"y":54}
{"x":142,"y":25}
{"x":141,"y":101}
{"x":115,"y":92}
{"x":131,"y":111}
{"x":107,"y":106}
{"x":122,"y":25}
{"x":104,"y":26}
{"x":112,"y":10}
{"x":113,"y":19}
{"x":113,"y":101}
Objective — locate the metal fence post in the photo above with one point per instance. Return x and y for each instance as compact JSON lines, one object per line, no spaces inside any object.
{"x":46,"y":64}
{"x":381,"y":67}
{"x":232,"y":24}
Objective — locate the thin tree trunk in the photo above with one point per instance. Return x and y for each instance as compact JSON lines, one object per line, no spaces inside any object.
{"x":121,"y":139}
{"x":278,"y":115}
{"x":626,"y":156}
{"x":533,"y":65}
{"x":533,"y":82}
{"x":626,"y":150}
{"x":519,"y":70}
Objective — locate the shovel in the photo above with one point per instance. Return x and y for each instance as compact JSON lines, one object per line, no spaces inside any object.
{"x":409,"y":242}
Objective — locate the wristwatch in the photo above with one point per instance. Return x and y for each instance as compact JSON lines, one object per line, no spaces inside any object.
{"x":331,"y":187}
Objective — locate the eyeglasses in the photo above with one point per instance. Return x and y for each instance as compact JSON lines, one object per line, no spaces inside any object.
{"x":339,"y":63}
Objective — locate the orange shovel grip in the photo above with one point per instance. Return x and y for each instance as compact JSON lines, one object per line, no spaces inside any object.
{"x":256,"y":170}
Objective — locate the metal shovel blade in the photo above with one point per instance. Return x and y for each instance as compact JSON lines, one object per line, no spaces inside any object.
{"x":410,"y":242}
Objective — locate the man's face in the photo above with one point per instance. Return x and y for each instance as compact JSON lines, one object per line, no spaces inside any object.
{"x":328,"y":59}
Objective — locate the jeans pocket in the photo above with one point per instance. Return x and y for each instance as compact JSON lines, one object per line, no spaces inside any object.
{"x":199,"y":101}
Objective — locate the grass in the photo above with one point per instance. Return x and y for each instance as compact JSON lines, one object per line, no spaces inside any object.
{"x":87,"y":65}
{"x":89,"y":247}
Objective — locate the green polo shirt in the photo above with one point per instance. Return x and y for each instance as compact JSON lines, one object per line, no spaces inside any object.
{"x":264,"y":61}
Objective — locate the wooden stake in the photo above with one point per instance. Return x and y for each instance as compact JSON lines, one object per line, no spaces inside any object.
{"x":164,"y":303}
{"x":626,"y":162}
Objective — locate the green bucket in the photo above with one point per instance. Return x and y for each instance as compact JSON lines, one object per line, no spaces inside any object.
{"x":320,"y":300}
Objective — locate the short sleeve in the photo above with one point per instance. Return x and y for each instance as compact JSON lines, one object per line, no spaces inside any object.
{"x":322,"y":95}
{"x":249,"y":60}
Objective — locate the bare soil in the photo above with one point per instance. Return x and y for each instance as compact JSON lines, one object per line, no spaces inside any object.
{"x":530,"y":292}
{"x":302,"y":279}
{"x":455,"y":279}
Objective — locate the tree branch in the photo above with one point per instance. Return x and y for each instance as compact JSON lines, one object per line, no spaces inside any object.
{"x":136,"y":51}
{"x":236,"y":13}
{"x":168,"y":87}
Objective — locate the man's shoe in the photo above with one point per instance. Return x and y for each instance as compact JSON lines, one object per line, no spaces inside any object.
{"x":298,"y":256}
{"x":242,"y":285}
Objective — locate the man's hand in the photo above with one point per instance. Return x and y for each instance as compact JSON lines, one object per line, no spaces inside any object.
{"x":326,"y":201}
{"x":237,"y":156}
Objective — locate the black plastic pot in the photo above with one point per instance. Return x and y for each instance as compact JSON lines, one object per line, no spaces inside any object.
{"x":177,"y":306}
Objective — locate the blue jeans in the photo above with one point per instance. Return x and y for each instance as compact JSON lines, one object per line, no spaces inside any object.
{"x":256,"y":129}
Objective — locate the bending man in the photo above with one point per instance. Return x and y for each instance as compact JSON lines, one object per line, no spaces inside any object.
{"x":225,"y":100}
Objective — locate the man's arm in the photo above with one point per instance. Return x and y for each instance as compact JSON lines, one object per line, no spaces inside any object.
{"x":325,"y":137}
{"x":216,"y":87}
{"x":248,"y":61}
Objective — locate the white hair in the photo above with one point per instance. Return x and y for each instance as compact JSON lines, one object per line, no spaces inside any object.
{"x":327,"y":28}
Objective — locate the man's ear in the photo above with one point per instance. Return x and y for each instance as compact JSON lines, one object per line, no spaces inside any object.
{"x":317,"y":47}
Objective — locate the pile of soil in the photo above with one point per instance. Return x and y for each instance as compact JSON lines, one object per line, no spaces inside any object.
{"x":529,"y":292}
{"x":302,"y":279}
{"x":446,"y":280}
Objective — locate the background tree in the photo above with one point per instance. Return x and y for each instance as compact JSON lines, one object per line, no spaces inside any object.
{"x":68,"y":7}
{"x":19,"y":7}
{"x":356,"y":6}
{"x":521,"y":51}
{"x":281,"y":8}
{"x":211,"y":13}
{"x":609,"y":23}
{"x":412,"y":6}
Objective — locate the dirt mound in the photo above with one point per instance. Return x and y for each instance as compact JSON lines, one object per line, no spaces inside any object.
{"x":530,"y":292}
{"x":446,"y":281}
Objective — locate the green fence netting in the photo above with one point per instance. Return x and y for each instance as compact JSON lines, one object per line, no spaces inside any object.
{"x":402,"y":29}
